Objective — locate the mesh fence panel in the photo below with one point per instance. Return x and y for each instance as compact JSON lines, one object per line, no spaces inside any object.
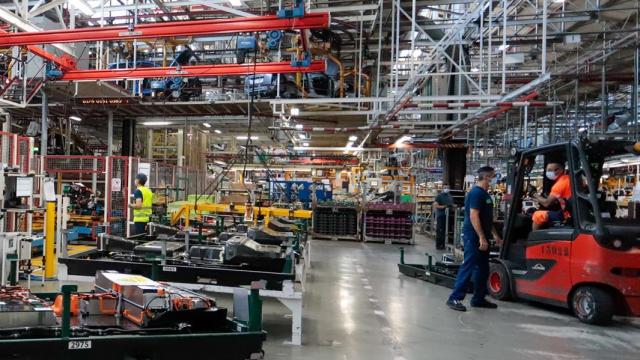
{"x":74,"y":164}
{"x":117,"y":189}
{"x":24,"y":154}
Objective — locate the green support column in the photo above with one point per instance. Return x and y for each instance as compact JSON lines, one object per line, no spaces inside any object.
{"x":66,"y":309}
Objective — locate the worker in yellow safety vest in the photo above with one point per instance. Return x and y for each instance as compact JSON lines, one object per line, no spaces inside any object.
{"x":142,"y":205}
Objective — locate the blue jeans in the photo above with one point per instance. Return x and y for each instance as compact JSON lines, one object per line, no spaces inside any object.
{"x":476,"y":264}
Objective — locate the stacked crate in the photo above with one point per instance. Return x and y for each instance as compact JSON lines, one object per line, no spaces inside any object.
{"x":336,"y":221}
{"x":389,"y":223}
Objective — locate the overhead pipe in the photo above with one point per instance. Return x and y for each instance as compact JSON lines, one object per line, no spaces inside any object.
{"x":488,"y":116}
{"x":192,"y":71}
{"x":167,"y":29}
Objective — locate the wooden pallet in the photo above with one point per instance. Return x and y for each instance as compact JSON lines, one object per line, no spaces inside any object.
{"x":335,"y":237}
{"x":388,"y":240}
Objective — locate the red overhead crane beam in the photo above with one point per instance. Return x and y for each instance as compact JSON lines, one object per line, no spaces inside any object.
{"x":192,"y":71}
{"x":66,"y":62}
{"x":167,"y":29}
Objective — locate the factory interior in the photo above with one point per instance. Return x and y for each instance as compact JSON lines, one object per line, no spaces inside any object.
{"x":323,"y":179}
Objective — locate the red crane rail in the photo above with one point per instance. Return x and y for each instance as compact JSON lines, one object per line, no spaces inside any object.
{"x":167,"y":29}
{"x":192,"y":71}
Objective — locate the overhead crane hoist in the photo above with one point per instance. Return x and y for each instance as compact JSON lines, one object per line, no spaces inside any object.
{"x":171,"y":29}
{"x":185,"y":211}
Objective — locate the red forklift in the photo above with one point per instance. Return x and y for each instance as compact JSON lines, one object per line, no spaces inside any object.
{"x":590,"y":261}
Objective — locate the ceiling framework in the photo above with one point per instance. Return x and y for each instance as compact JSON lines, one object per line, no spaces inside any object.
{"x":430,"y":69}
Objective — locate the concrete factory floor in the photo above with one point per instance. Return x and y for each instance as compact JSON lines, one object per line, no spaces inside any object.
{"x":357,"y":306}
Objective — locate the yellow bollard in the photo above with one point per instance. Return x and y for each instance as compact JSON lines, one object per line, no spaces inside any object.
{"x":49,"y":245}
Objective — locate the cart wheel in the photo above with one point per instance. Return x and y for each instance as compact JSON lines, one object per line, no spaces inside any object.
{"x":498,"y":283}
{"x":592,"y":305}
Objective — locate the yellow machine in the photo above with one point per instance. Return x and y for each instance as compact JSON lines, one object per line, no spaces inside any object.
{"x":185,"y":212}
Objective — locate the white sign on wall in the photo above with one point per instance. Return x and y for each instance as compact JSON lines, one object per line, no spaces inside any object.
{"x":116,"y":185}
{"x":144,"y":168}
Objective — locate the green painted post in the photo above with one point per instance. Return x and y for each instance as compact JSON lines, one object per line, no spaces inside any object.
{"x":66,"y":309}
{"x":255,"y":310}
{"x":155,"y":270}
{"x":288,"y":265}
{"x":402,"y":255}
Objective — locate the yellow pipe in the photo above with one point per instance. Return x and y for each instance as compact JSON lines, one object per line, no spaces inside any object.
{"x":50,"y":255}
{"x":342,"y":75}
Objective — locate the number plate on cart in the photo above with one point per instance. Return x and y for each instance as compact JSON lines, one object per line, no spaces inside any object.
{"x":80,"y":345}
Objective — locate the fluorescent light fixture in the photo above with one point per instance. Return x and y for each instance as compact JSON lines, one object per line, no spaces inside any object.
{"x":75,"y":118}
{"x":220,"y":162}
{"x":244,"y":137}
{"x":217,"y":131}
{"x":302,"y":136}
{"x":235,"y":2}
{"x":305,"y":144}
{"x":207,"y":125}
{"x":156,"y":123}
{"x":295,"y":111}
{"x":205,"y":131}
{"x":83,"y":6}
{"x":503,"y":47}
{"x":299,"y":126}
{"x":353,"y":138}
{"x":475,"y":69}
{"x":402,"y":139}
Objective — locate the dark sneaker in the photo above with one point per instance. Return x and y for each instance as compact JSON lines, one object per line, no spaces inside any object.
{"x":484,"y":304}
{"x":456,"y":305}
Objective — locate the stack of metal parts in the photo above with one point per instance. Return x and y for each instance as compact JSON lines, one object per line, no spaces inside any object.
{"x":335,"y":221}
{"x":386,"y":221}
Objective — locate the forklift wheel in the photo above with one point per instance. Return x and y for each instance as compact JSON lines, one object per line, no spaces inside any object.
{"x":592,"y":305}
{"x":498,"y":284}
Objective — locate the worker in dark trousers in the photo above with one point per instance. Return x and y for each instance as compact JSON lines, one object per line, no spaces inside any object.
{"x":142,"y":205}
{"x":442,"y":202}
{"x":476,"y":230}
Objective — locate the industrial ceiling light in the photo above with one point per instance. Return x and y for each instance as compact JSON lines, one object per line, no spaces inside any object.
{"x":402,"y":139}
{"x":302,"y":136}
{"x":217,"y":131}
{"x":244,"y":137}
{"x":75,"y":118}
{"x":156,"y":123}
{"x":83,"y":6}
{"x":235,"y":2}
{"x":295,"y":111}
{"x":353,"y":138}
{"x":503,"y":47}
{"x":220,"y":162}
{"x":475,"y":69}
{"x":207,"y":125}
{"x":299,"y":126}
{"x":305,"y":144}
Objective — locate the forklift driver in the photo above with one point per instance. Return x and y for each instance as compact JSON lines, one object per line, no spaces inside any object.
{"x":560,"y":192}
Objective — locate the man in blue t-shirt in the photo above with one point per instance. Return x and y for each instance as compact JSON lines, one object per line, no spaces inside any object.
{"x":442,"y":202}
{"x":476,"y":230}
